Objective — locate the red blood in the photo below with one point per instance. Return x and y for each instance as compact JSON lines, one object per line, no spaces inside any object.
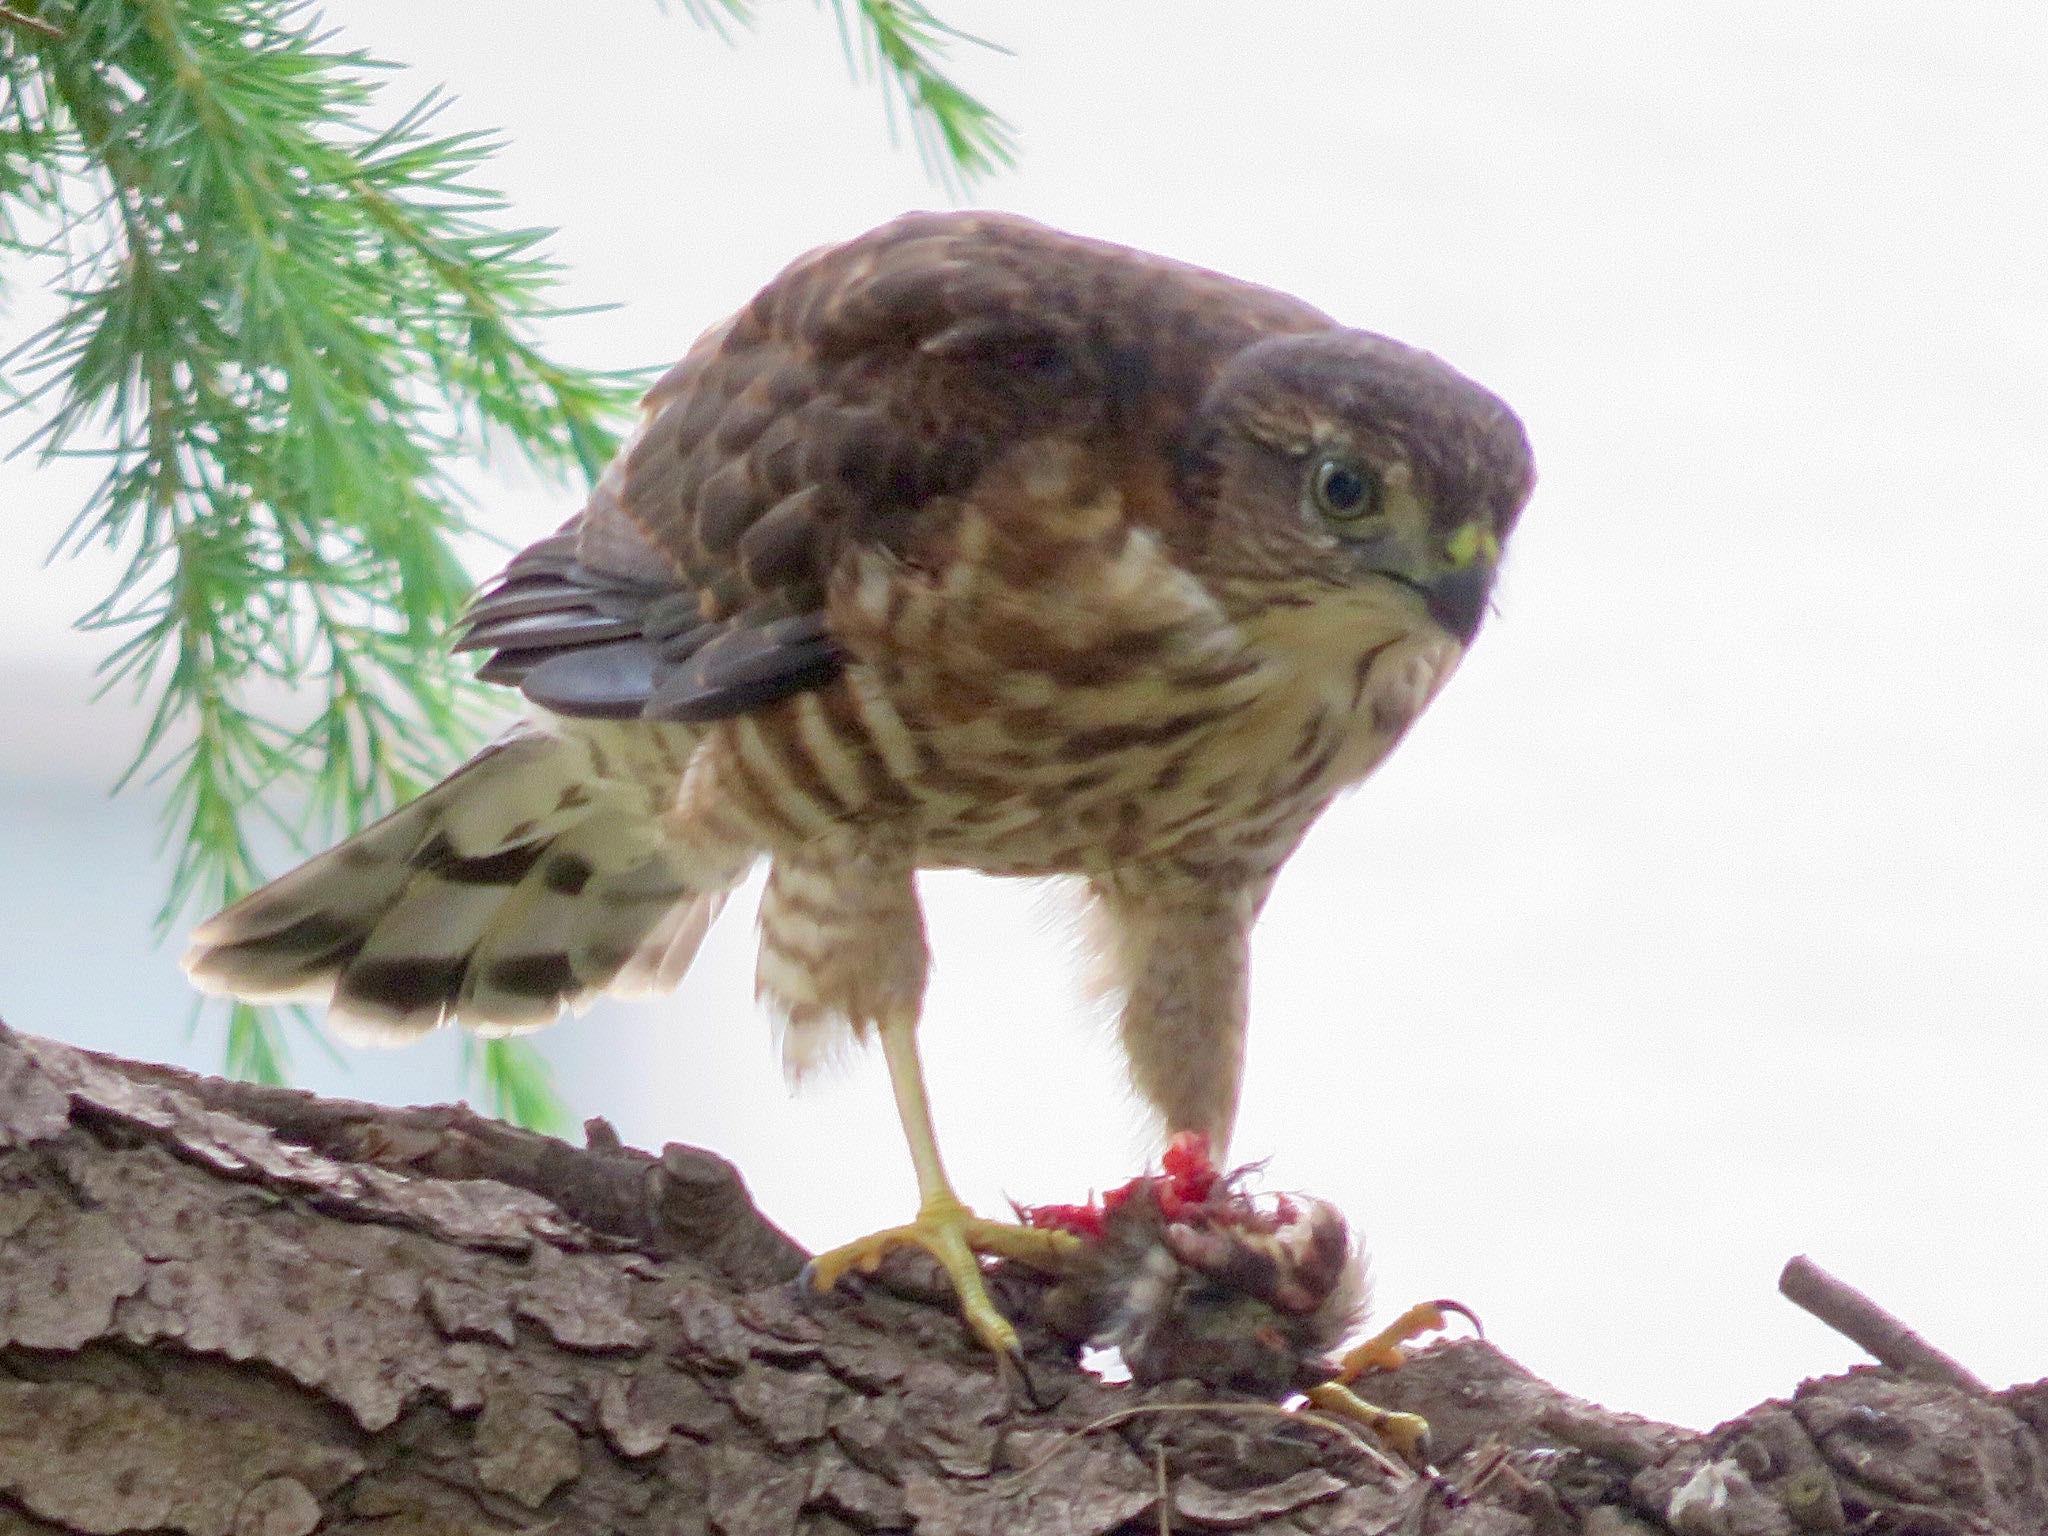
{"x":1188,"y":1167}
{"x":1188,"y":1179}
{"x":1081,"y":1220}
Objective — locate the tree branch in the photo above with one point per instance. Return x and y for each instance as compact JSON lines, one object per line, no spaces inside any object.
{"x":1864,"y":1323}
{"x":228,"y":1309}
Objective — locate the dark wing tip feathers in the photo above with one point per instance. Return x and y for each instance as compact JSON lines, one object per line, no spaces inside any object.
{"x":609,"y":681}
{"x":583,"y":644}
{"x":747,"y":667}
{"x":549,"y":628}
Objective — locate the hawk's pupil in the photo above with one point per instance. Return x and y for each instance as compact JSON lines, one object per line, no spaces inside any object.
{"x":1341,"y":489}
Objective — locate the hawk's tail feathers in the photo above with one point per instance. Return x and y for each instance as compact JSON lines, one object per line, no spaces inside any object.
{"x":521,"y":885}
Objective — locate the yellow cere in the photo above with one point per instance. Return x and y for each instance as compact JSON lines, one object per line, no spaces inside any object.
{"x":1472,"y":541}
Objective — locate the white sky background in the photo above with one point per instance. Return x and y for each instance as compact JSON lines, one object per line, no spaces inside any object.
{"x":1702,"y":922}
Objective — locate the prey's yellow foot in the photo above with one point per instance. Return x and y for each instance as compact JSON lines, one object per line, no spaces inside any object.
{"x":955,"y":1237}
{"x":1406,"y":1433}
{"x":1382,"y":1352}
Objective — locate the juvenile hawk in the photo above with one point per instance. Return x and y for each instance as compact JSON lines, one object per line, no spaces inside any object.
{"x":967,"y":543}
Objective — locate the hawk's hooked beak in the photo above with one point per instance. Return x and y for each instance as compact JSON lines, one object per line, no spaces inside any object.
{"x":1457,"y":600}
{"x":1457,"y":596}
{"x":1455,"y":582}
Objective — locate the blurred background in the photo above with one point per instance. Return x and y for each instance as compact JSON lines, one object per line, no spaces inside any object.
{"x":1702,"y":922}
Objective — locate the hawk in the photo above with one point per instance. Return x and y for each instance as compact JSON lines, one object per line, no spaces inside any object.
{"x":966,"y":544}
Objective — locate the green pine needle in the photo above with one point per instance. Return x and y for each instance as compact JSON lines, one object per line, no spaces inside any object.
{"x":901,"y":47}
{"x":284,"y":322}
{"x":515,"y":1084}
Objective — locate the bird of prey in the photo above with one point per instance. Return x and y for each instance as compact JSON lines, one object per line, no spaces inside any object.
{"x":966,"y":544}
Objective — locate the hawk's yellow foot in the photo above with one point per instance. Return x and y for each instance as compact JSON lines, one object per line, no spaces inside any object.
{"x":1407,"y":1433}
{"x":945,"y":1228}
{"x":1382,"y":1352}
{"x":955,"y":1237}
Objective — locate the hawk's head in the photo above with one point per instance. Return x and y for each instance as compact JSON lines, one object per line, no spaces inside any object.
{"x":1340,"y":464}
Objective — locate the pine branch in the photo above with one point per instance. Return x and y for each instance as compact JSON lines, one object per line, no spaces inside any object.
{"x":901,"y":47}
{"x":283,"y":322}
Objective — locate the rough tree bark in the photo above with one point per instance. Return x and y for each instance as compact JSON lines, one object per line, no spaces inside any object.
{"x":236,"y":1311}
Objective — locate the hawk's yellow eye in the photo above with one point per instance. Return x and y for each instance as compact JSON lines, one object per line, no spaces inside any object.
{"x":1343,"y":491}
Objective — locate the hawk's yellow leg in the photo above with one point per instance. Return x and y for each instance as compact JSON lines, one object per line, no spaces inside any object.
{"x":1407,"y":1433}
{"x":1382,"y":1352}
{"x":945,"y":1228}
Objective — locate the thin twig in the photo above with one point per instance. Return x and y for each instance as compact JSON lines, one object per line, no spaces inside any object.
{"x":1864,"y":1323}
{"x":1024,"y":1475}
{"x":13,"y":18}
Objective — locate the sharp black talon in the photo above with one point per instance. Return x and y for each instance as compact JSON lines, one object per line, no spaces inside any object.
{"x":1015,"y":1373}
{"x":1443,"y":1304}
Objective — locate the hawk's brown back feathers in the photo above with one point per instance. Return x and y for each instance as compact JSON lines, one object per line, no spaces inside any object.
{"x":867,"y":383}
